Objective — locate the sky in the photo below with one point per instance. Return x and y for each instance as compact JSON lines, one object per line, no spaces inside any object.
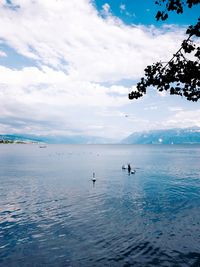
{"x":66,"y":67}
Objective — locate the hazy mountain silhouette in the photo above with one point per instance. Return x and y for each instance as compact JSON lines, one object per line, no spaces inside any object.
{"x":170,"y":136}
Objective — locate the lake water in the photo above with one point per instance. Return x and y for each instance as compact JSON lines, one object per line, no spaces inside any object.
{"x":51,"y":213}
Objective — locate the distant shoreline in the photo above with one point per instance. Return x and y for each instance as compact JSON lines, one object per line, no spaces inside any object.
{"x":16,"y":142}
{"x":11,"y":142}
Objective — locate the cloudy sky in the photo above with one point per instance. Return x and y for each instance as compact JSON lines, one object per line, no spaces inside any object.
{"x":66,"y":67}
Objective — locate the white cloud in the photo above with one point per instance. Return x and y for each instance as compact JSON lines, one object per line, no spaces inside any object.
{"x":122,"y":7}
{"x":162,"y":93}
{"x":106,"y":8}
{"x":175,"y":108}
{"x":3,"y":54}
{"x":50,"y":101}
{"x":183,"y":119}
{"x":32,"y":85}
{"x":76,"y":52}
{"x":151,"y":108}
{"x":92,"y":48}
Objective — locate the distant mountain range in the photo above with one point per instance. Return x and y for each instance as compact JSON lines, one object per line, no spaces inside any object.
{"x":170,"y":136}
{"x":26,"y":138}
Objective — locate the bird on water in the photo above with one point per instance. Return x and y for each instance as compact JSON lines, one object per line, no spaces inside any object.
{"x":93,"y":177}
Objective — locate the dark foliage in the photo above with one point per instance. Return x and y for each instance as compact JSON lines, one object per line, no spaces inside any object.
{"x":180,"y":76}
{"x":173,"y":5}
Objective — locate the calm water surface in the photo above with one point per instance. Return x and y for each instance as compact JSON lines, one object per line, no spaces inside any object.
{"x":51,"y":214}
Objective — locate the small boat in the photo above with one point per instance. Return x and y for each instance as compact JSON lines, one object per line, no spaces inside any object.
{"x":42,"y":146}
{"x":133,"y":171}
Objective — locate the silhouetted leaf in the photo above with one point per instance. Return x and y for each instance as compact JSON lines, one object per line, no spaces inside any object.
{"x":180,"y":76}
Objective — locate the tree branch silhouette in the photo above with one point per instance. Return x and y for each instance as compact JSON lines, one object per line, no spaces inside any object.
{"x":181,"y":75}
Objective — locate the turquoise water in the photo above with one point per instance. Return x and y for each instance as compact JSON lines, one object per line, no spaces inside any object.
{"x":51,"y":214}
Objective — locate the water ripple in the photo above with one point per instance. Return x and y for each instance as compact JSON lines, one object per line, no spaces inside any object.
{"x":52,"y":214}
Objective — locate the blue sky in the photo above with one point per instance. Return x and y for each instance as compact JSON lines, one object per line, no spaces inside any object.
{"x":68,"y":66}
{"x":143,"y":12}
